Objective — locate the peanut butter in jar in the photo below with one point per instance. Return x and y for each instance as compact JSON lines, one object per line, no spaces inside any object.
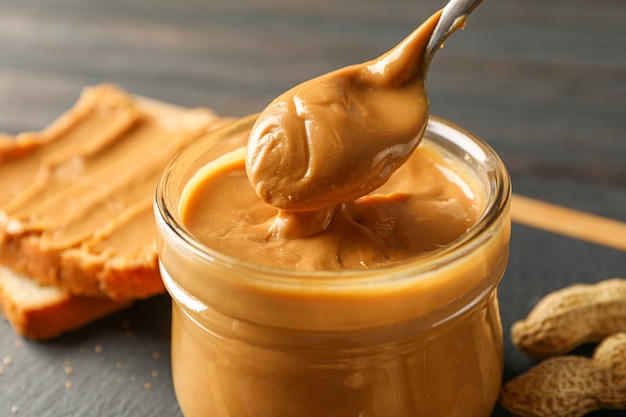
{"x":414,"y":335}
{"x":322,"y":264}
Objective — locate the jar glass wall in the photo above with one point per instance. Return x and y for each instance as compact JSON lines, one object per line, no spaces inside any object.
{"x":422,"y":338}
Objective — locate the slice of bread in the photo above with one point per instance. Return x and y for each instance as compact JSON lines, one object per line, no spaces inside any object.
{"x":76,"y":198}
{"x":77,"y":235}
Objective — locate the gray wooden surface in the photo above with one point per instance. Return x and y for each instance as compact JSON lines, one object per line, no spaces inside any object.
{"x":544,"y":82}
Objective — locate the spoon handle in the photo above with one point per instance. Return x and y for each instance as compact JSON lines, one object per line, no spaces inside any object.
{"x":452,"y":17}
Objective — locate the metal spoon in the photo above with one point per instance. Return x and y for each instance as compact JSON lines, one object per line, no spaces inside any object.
{"x":452,"y":18}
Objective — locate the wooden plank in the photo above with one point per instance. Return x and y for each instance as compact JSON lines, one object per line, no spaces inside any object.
{"x":568,"y":222}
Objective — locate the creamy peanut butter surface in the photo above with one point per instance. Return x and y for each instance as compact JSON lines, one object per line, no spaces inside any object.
{"x":425,"y":205}
{"x":98,"y":171}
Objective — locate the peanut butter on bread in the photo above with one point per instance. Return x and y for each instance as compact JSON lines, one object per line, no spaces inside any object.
{"x":76,"y":198}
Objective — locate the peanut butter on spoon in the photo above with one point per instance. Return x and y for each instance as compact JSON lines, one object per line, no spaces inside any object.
{"x":340,"y":136}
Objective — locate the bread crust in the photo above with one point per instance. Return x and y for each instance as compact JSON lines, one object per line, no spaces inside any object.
{"x":42,"y":313}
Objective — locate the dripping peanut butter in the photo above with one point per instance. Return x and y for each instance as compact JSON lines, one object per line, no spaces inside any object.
{"x":369,"y":295}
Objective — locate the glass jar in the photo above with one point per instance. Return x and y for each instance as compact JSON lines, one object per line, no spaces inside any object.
{"x":419,"y":339}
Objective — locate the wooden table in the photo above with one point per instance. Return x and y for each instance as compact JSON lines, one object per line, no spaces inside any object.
{"x":544,"y":82}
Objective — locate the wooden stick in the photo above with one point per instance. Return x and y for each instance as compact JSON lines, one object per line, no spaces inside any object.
{"x":568,"y":222}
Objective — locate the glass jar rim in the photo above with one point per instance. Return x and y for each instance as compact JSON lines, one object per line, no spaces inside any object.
{"x":498,"y":199}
